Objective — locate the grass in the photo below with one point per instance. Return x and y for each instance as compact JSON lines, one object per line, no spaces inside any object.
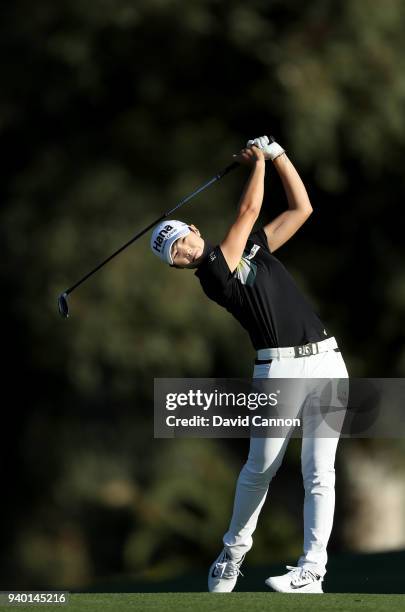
{"x":207,"y":602}
{"x":348,"y":574}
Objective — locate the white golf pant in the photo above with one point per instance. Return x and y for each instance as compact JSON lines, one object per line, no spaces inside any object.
{"x":317,"y":461}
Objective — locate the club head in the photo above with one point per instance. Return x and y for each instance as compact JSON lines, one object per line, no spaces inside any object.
{"x":63,"y":305}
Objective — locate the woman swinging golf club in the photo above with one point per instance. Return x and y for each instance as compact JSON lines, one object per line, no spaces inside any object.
{"x":243,"y":275}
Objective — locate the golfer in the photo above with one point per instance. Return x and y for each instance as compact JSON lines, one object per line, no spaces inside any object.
{"x":242,"y":275}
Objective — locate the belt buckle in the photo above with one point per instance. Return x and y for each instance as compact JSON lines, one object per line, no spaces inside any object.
{"x":305,"y":350}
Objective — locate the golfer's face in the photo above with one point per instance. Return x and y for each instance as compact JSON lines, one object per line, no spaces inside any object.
{"x":186,"y":250}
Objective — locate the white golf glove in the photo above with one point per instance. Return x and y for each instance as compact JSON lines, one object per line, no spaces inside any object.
{"x":271,"y":150}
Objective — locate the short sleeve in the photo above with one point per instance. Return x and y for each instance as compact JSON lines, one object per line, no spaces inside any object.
{"x":215,"y":276}
{"x":217,"y":267}
{"x":259,"y":237}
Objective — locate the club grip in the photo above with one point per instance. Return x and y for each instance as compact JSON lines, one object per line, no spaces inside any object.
{"x":229,"y":168}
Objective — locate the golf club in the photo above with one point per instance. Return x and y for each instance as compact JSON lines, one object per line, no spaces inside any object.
{"x":62,"y":299}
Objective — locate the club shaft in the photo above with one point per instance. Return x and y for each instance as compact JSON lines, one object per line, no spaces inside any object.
{"x":105,"y":261}
{"x":142,"y":232}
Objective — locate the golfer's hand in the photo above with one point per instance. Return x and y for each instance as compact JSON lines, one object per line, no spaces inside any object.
{"x":271,"y":150}
{"x":260,"y":142}
{"x":250,"y":156}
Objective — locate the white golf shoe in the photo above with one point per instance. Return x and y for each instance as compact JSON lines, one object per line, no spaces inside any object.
{"x":224,"y":573}
{"x":297,"y":580}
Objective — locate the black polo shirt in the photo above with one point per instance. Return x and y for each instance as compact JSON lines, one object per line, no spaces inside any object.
{"x":261,"y":295}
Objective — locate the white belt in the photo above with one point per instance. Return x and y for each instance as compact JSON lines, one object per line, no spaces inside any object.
{"x":313,"y":348}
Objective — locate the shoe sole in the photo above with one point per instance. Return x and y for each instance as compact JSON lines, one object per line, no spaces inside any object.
{"x":294,"y":591}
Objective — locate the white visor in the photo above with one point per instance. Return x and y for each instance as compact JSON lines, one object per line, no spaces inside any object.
{"x":163,"y":237}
